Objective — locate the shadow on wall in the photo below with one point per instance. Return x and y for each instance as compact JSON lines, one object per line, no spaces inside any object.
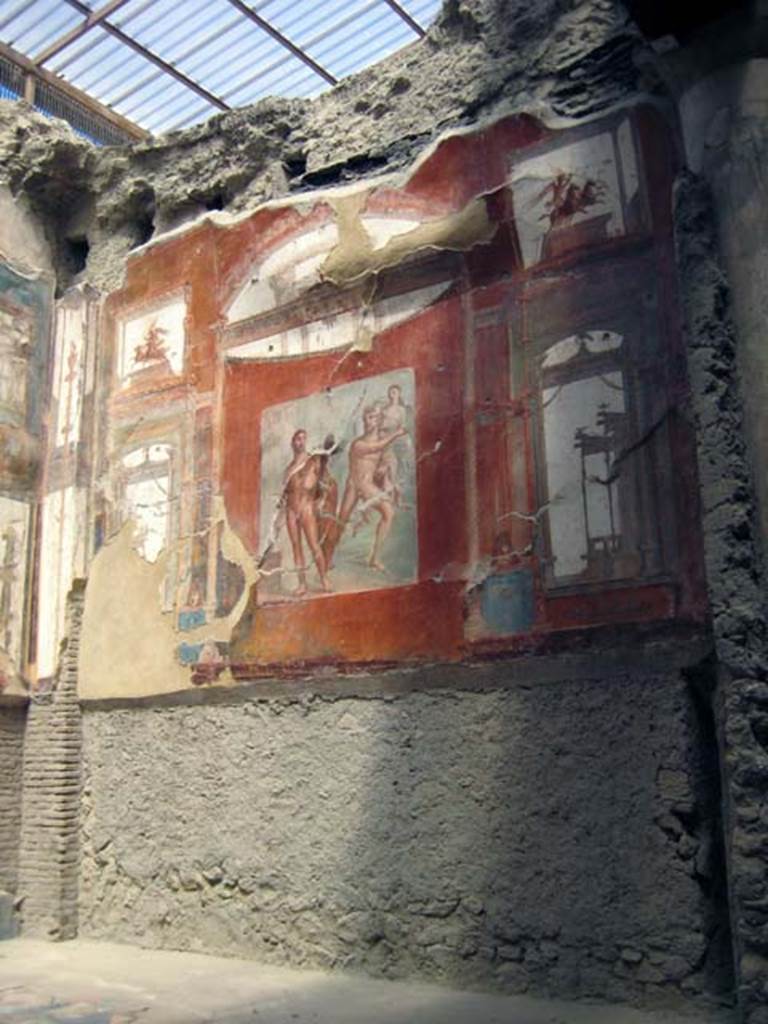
{"x":551,"y":838}
{"x":556,"y":837}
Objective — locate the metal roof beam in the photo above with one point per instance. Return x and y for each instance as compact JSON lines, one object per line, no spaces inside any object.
{"x":406,"y":17}
{"x":88,"y":48}
{"x":153,"y":58}
{"x":93,"y":19}
{"x":284,"y":41}
{"x":191,"y":68}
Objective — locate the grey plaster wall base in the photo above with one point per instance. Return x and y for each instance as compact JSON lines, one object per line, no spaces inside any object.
{"x":552,"y":837}
{"x":12,"y":720}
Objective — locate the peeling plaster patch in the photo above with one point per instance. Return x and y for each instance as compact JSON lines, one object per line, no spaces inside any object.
{"x":21,"y":232}
{"x":14,"y":530}
{"x":129,"y":646}
{"x":519,"y":106}
{"x":62,"y":558}
{"x":355,"y":257}
{"x":381,"y":230}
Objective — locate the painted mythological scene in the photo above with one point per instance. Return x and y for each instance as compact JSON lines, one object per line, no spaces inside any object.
{"x":577,"y":195}
{"x":338,"y":495}
{"x":152,"y":345}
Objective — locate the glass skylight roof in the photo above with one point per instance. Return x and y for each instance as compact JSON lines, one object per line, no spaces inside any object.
{"x":167,"y":64}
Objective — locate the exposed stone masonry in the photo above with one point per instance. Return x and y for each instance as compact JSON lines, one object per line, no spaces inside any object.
{"x":551,"y":837}
{"x":12,"y":720}
{"x":49,"y":854}
{"x":738,"y":684}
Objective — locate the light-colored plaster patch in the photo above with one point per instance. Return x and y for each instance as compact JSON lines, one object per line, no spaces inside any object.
{"x":128,"y":644}
{"x":355,"y":256}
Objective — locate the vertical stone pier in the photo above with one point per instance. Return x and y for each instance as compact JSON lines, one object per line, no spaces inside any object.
{"x":49,"y":849}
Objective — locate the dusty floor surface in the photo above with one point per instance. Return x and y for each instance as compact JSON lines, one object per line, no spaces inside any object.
{"x":103,"y":983}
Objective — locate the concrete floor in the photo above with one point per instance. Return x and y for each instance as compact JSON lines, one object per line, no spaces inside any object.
{"x":103,"y":983}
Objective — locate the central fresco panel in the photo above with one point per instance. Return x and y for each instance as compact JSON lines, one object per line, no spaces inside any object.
{"x":427,"y":418}
{"x":338,"y":490}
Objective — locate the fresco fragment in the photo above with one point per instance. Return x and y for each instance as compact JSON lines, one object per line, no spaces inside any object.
{"x":414,"y":420}
{"x":338,"y":486}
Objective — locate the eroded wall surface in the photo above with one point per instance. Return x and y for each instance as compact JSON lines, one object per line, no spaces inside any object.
{"x":555,"y":836}
{"x":12,"y":722}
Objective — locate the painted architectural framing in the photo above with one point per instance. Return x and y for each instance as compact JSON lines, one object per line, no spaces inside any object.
{"x":418,"y":420}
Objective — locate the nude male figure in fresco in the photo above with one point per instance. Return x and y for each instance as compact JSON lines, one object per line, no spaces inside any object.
{"x":361,"y":486}
{"x":309,"y":499}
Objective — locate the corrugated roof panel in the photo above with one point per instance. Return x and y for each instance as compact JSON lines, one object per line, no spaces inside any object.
{"x":88,"y":52}
{"x":118,"y":85}
{"x":146,"y":99}
{"x":39,"y":25}
{"x":282,"y":70}
{"x":302,"y":19}
{"x":423,"y":11}
{"x":196,"y":113}
{"x":169,"y":114}
{"x":85,"y":46}
{"x":255,"y":50}
{"x":8,"y":16}
{"x":299,"y":81}
{"x":374,"y":41}
{"x":160,"y":25}
{"x":212,"y":43}
{"x":276,"y":58}
{"x":229,"y":52}
{"x":253,"y":85}
{"x":117,"y":64}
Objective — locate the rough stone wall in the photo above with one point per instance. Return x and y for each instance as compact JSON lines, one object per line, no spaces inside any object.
{"x":737,"y":685}
{"x":12,"y":720}
{"x":49,"y":845}
{"x":482,"y":58}
{"x":553,"y":837}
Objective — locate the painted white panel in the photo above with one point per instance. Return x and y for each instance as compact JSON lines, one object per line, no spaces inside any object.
{"x":69,"y":355}
{"x":581,"y":505}
{"x":147,"y":505}
{"x":62,"y":560}
{"x":286,"y":273}
{"x":14,"y":528}
{"x":381,"y":230}
{"x":342,"y":330}
{"x":153,"y":341}
{"x":572,"y":195}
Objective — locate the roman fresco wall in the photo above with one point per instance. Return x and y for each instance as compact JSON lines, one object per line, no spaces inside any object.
{"x":26,"y":297}
{"x":421,"y":419}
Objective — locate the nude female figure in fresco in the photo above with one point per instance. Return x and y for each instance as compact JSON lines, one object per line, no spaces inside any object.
{"x":392,"y":420}
{"x":364,"y":464}
{"x":309,"y":498}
